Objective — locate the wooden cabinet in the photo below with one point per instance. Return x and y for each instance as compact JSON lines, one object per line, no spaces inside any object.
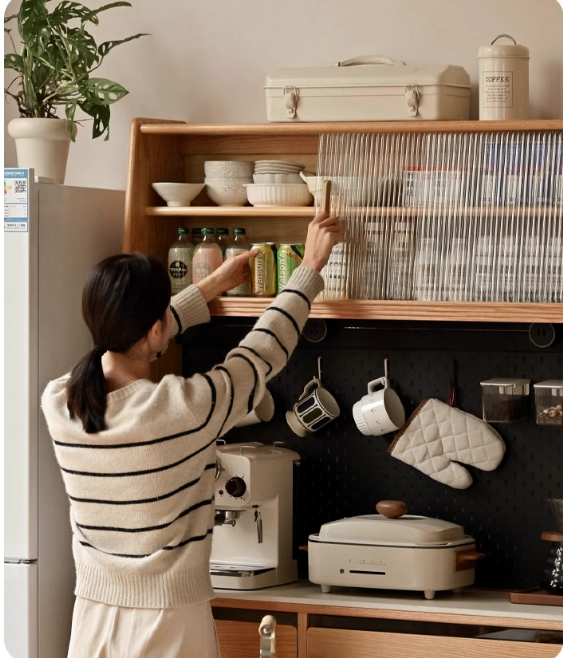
{"x":478,"y":623}
{"x":339,"y":643}
{"x":239,"y":639}
{"x":176,"y":152}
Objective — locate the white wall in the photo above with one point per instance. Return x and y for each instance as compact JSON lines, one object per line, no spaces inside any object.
{"x":206,"y":60}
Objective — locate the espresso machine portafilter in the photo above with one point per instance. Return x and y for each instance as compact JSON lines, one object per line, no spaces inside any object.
{"x":253,"y":536}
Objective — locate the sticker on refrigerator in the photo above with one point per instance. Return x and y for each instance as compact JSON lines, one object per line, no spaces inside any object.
{"x":16,"y":200}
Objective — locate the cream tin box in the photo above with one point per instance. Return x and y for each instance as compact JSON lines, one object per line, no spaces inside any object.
{"x":368,"y":89}
{"x":409,"y":553}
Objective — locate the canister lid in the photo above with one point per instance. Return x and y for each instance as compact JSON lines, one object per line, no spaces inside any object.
{"x":509,"y":386}
{"x":504,"y":49}
{"x":550,"y":383}
{"x":378,"y":529}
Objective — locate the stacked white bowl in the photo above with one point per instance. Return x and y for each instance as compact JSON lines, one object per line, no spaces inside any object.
{"x":278,"y":183}
{"x":225,"y":181}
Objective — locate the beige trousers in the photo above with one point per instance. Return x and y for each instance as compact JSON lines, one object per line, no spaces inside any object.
{"x":109,"y":631}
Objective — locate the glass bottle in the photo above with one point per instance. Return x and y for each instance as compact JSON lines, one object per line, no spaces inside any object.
{"x":180,"y":256}
{"x":196,"y":236}
{"x":239,"y":246}
{"x":223,"y":239}
{"x":207,"y":256}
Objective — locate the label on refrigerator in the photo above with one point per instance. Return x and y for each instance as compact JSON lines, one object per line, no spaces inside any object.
{"x":16,"y":200}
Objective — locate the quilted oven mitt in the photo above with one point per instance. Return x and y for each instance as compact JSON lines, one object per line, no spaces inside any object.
{"x":437,"y":436}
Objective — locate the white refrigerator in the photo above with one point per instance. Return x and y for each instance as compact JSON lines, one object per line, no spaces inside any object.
{"x":53,"y":234}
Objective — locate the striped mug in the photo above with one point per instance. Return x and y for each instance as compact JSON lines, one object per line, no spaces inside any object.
{"x":315,"y":408}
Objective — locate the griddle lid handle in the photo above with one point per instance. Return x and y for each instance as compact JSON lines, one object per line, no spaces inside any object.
{"x":392,"y":509}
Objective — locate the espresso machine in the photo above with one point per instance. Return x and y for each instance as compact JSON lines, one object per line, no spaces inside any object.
{"x":253,"y":535}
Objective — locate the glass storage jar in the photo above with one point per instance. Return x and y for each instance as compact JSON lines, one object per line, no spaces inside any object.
{"x":505,"y":400}
{"x":549,"y":402}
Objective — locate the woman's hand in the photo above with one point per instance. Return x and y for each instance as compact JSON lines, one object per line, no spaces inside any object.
{"x":232,"y":273}
{"x":323,"y":233}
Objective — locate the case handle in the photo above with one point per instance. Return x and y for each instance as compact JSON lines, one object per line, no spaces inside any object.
{"x":371,"y":59}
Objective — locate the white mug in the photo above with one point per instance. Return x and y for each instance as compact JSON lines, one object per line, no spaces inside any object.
{"x":315,"y":408}
{"x":263,"y":412}
{"x":379,"y":412}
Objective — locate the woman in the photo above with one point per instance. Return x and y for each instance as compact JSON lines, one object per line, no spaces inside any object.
{"x":138,"y":458}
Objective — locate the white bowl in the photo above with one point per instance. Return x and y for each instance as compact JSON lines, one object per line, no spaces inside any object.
{"x":228,"y":169}
{"x":387,"y":189}
{"x":286,"y":179}
{"x":227,"y":191}
{"x":278,"y":195}
{"x":178,"y":194}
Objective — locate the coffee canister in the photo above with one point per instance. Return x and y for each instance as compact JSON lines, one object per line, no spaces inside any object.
{"x":504,"y":81}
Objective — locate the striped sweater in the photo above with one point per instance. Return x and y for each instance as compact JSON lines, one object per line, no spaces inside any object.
{"x":141,"y":491}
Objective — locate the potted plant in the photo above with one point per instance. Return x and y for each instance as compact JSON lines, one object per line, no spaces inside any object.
{"x":54,"y":69}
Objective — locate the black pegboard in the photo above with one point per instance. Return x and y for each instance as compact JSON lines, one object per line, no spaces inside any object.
{"x":343,"y":473}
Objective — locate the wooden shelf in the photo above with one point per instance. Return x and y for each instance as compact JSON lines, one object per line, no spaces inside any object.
{"x":387,"y":211}
{"x":402,"y":310}
{"x":307,"y":129}
{"x":231,"y":211}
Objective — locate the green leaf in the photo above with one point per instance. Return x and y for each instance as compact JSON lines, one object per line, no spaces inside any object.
{"x":93,"y":15}
{"x":14,"y":62}
{"x":104,"y":48}
{"x":100,"y":114}
{"x":32,"y":20}
{"x":66,"y":11}
{"x":70,"y":110}
{"x":83,"y":48}
{"x":100,"y":91}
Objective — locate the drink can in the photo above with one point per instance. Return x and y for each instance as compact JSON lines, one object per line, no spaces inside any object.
{"x":263,"y":270}
{"x":290,"y":256}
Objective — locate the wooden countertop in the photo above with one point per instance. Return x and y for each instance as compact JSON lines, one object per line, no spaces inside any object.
{"x":472,"y":606}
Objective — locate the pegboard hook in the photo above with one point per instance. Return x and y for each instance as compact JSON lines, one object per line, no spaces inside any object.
{"x":386,"y":368}
{"x":319,"y":362}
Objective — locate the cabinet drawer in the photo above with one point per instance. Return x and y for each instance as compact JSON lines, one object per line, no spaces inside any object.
{"x":339,"y":643}
{"x":239,"y":639}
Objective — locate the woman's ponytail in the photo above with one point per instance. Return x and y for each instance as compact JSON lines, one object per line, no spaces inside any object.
{"x":123,"y":297}
{"x":86,"y":392}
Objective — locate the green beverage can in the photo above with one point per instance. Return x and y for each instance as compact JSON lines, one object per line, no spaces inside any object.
{"x":263,"y":269}
{"x":290,"y":256}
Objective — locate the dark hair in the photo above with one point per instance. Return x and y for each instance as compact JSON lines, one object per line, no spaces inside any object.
{"x":123,"y":297}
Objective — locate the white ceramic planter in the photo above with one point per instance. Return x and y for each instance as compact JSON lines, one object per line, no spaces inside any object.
{"x":42,"y":144}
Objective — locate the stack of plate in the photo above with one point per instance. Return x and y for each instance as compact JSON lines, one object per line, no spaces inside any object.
{"x":278,"y":183}
{"x":277,"y":171}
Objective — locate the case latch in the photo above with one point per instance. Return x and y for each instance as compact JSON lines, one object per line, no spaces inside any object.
{"x":290,"y":100}
{"x":412,"y":96}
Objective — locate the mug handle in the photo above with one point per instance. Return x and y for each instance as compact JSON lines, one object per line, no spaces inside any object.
{"x":314,"y":383}
{"x":382,"y":381}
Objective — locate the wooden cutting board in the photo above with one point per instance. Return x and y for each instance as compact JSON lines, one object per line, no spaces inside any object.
{"x":536,"y":596}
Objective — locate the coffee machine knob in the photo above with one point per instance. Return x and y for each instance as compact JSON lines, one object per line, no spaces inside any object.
{"x":236,"y":487}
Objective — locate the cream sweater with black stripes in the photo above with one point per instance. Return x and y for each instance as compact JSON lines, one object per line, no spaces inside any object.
{"x":141,"y":492}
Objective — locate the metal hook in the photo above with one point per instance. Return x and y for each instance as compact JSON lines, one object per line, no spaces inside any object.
{"x":320,"y":368}
{"x":385,"y":368}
